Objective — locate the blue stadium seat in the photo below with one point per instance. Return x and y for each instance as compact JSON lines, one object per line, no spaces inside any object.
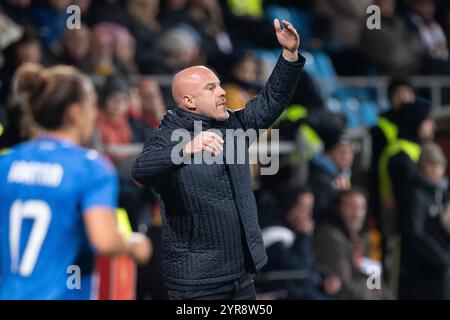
{"x":369,"y":113}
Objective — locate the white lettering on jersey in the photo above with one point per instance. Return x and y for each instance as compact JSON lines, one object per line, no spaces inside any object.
{"x":36,"y":173}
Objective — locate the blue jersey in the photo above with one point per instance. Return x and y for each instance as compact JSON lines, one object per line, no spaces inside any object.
{"x":46,"y":186}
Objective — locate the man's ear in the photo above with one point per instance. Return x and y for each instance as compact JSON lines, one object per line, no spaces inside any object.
{"x":189,"y":102}
{"x":73,"y":113}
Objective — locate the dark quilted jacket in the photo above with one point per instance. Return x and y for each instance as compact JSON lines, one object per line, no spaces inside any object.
{"x":211,"y":232}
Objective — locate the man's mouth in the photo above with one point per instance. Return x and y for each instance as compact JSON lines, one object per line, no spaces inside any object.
{"x":222,"y":104}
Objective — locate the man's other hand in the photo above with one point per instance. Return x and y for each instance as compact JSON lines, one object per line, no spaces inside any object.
{"x":205,"y":140}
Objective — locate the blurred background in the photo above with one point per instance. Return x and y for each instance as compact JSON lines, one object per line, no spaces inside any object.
{"x":362,"y":184}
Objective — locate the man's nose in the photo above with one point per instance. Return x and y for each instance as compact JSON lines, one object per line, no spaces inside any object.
{"x":222,"y":92}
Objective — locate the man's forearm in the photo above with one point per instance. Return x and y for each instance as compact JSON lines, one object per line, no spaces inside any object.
{"x":276,"y":95}
{"x":152,"y":164}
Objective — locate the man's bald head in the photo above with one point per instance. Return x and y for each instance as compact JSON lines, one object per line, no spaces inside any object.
{"x":197,"y":89}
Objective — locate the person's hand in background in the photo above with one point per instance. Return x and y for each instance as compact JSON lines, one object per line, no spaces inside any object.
{"x":332,"y":285}
{"x":139,"y":247}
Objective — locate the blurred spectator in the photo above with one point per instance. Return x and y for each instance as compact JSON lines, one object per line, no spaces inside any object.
{"x":118,"y":48}
{"x":49,"y":18}
{"x":26,"y":49}
{"x":397,"y":164}
{"x":425,"y":262}
{"x":173,"y":12}
{"x":10,"y":31}
{"x":115,"y":128}
{"x":141,"y":130}
{"x":242,"y":18}
{"x":443,"y":12}
{"x":341,"y":245}
{"x":400,"y":93}
{"x":113,"y":124}
{"x":17,"y":127}
{"x":242,"y":83}
{"x":101,"y":53}
{"x":107,"y":11}
{"x":208,"y":18}
{"x":289,"y":248}
{"x":181,"y":49}
{"x":153,"y":107}
{"x":112,"y":120}
{"x":348,"y":15}
{"x":125,"y":52}
{"x":393,"y":49}
{"x":135,"y":105}
{"x":396,"y":170}
{"x":422,"y":19}
{"x":146,"y":29}
{"x":85,"y":8}
{"x":18,"y":10}
{"x":203,"y":20}
{"x":75,"y":47}
{"x":330,"y":172}
{"x":337,"y":16}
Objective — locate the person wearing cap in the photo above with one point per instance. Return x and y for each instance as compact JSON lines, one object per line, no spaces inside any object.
{"x":425,"y":253}
{"x":330,"y":171}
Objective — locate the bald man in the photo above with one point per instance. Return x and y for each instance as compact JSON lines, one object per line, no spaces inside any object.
{"x":211,"y":242}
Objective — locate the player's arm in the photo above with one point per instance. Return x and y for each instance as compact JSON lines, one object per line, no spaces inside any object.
{"x":98,"y":205}
{"x":103,"y":234}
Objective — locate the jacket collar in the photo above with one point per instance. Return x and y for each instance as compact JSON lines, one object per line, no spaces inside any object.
{"x":179,"y":118}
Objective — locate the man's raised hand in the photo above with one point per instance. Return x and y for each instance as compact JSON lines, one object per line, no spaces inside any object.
{"x":288,"y":38}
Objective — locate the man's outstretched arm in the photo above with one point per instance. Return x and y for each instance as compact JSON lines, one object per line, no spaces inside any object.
{"x":267,"y":106}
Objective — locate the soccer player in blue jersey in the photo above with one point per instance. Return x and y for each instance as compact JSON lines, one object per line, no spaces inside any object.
{"x":58,"y":199}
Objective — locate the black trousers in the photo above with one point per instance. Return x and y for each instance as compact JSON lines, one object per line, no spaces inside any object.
{"x":241,"y":289}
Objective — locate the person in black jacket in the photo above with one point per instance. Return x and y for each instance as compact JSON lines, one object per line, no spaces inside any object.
{"x":425,"y":254}
{"x":400,"y":92}
{"x":291,"y":271}
{"x":211,"y":241}
{"x":416,"y":126}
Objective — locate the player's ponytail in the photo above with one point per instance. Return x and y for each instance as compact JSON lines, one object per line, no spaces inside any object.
{"x":46,"y":93}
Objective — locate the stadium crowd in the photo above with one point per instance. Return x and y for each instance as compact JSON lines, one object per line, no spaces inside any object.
{"x":345,"y":231}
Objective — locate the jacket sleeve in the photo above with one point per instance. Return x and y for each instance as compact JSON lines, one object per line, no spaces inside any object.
{"x":155,"y":161}
{"x":267,"y":106}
